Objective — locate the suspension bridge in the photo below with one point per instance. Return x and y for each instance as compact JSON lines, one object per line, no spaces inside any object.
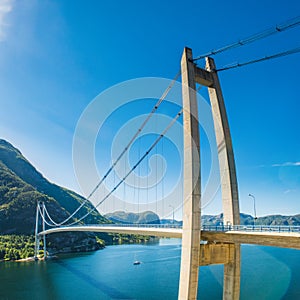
{"x":201,"y":245}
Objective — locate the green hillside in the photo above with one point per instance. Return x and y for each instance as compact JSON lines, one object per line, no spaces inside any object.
{"x":18,"y":202}
{"x":21,"y":186}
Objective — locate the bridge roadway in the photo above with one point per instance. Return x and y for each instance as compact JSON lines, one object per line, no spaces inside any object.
{"x":278,"y":236}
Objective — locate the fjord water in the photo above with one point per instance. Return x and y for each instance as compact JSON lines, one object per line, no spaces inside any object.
{"x":267,"y":273}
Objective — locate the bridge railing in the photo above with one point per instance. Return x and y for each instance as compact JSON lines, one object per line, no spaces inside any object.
{"x":222,"y":228}
{"x":137,"y":225}
{"x":252,"y":228}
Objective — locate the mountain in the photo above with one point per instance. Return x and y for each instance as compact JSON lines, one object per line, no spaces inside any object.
{"x":149,"y":217}
{"x":21,"y":186}
{"x":170,"y":222}
{"x":146,"y":217}
{"x":279,"y":220}
{"x":18,"y":201}
{"x":249,"y":220}
{"x":246,"y":219}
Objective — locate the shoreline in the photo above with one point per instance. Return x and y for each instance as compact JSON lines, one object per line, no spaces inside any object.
{"x":54,"y":254}
{"x":24,"y":259}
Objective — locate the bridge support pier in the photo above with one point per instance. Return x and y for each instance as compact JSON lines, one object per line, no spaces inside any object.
{"x":232,"y":276}
{"x":216,"y":253}
{"x":227,"y":254}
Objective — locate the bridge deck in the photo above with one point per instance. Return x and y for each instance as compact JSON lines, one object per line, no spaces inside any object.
{"x":150,"y":230}
{"x":285,"y":237}
{"x":276,"y":239}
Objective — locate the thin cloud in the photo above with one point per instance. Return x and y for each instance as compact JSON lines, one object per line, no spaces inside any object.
{"x":287,"y":164}
{"x":289,"y":191}
{"x":5,"y":7}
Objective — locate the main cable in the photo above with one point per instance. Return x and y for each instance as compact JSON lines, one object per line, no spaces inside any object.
{"x":49,"y":217}
{"x":44,"y":219}
{"x":258,"y":36}
{"x":154,"y":109}
{"x":237,"y":65}
{"x":132,"y":169}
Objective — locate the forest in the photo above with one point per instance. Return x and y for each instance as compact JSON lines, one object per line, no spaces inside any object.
{"x":14,"y":247}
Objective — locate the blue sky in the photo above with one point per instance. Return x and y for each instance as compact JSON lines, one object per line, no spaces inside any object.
{"x":56,"y":56}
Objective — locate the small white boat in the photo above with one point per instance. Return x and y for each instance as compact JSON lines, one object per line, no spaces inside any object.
{"x":137,"y":262}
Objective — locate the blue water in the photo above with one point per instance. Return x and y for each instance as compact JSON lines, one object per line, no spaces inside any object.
{"x":267,"y":273}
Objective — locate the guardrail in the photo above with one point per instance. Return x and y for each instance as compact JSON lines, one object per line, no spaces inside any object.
{"x":222,"y":228}
{"x":256,"y":228}
{"x":134,"y":225}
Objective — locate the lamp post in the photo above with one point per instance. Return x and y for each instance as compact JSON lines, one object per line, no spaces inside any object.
{"x":255,"y":218}
{"x":173,"y":213}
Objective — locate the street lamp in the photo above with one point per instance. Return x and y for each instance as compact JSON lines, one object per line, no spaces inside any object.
{"x":173,"y":213}
{"x":255,"y":218}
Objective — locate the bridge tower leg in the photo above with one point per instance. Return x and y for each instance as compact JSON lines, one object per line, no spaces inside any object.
{"x":37,"y":240}
{"x":230,"y":200}
{"x":191,"y":256}
{"x":191,"y":186}
{"x":44,"y":236}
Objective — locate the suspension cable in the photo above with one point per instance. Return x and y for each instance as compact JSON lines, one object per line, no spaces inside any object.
{"x":261,"y":35}
{"x":49,"y":217}
{"x":236,"y":65}
{"x":163,"y":175}
{"x":44,"y":219}
{"x":161,"y":99}
{"x":154,"y":109}
{"x":132,"y":169}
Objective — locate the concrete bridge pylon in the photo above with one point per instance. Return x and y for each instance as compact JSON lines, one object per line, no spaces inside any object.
{"x":192,"y":252}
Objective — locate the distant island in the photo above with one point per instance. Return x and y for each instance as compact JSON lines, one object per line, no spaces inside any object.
{"x":21,"y":186}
